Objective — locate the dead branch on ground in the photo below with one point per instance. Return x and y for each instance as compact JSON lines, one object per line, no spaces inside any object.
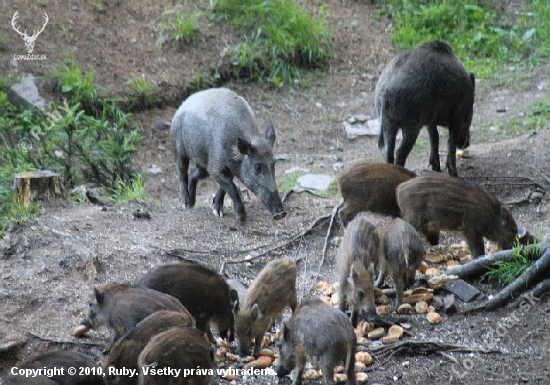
{"x":424,"y":347}
{"x":60,"y":342}
{"x":8,"y":346}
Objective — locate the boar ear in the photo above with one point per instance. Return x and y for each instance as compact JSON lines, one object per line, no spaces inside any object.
{"x":255,"y":312}
{"x":98,"y":295}
{"x":244,"y":147}
{"x":269,"y":132}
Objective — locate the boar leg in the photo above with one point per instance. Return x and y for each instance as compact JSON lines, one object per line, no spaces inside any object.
{"x":410,"y":133}
{"x":197,"y":173}
{"x":328,"y":370}
{"x":298,"y":372}
{"x":217,"y":203}
{"x":398,"y":279}
{"x":343,"y":291}
{"x":434,"y":148}
{"x":226,"y":183}
{"x":475,"y":242}
{"x":451,"y":156}
{"x":389,"y":134}
{"x":183,"y":165}
{"x":350,"y":370}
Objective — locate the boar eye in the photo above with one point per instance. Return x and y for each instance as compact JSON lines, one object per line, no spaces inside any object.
{"x":257,"y":168}
{"x":360,"y":294}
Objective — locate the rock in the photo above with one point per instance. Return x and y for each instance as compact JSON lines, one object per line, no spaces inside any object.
{"x":433,"y":318}
{"x":25,"y":94}
{"x":362,"y":118}
{"x":445,"y":303}
{"x":440,"y":280}
{"x":337,"y":166}
{"x":155,"y":169}
{"x":355,"y":130}
{"x":364,"y":357}
{"x":462,"y":290}
{"x":421,"y":307}
{"x":314,"y":182}
{"x":376,"y":333}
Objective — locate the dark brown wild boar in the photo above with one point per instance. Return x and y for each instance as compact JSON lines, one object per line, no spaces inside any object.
{"x":273,"y":289}
{"x":318,"y":333}
{"x":437,"y":202}
{"x":357,"y":261}
{"x":57,"y":364}
{"x":202,"y":291}
{"x":177,"y":356}
{"x":370,"y":186}
{"x":120,"y":365}
{"x":122,"y":306}
{"x":403,"y":251}
{"x":427,"y":86}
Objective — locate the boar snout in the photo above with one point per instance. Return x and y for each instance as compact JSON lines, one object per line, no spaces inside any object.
{"x":368,"y":315}
{"x":279,"y":215}
{"x":275,"y":205}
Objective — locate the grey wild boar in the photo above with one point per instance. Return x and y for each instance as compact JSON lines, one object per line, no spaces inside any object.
{"x":57,"y":363}
{"x":216,"y":129}
{"x":357,"y":263}
{"x":168,"y":355}
{"x":120,"y":365}
{"x":122,"y":306}
{"x":370,"y":186}
{"x":427,"y":86}
{"x":202,"y":291}
{"x":436,"y":202}
{"x":403,"y":251}
{"x":273,"y":289}
{"x":320,"y":334}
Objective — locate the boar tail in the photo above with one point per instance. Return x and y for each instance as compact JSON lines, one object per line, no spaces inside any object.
{"x":351,"y":352}
{"x":406,"y":258}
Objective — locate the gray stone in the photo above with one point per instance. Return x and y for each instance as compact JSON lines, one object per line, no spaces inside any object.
{"x":372,"y":128}
{"x":25,"y":93}
{"x":462,"y":290}
{"x":155,"y":169}
{"x":314,"y":182}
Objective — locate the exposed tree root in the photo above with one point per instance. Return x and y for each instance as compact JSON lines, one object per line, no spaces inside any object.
{"x":8,"y":346}
{"x":536,"y":292}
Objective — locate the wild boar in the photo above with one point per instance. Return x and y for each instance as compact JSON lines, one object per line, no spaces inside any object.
{"x":427,"y":86}
{"x":216,"y":128}
{"x":273,"y":289}
{"x":403,"y":250}
{"x":61,"y":361}
{"x":434,"y":202}
{"x":124,"y":353}
{"x":176,"y":349}
{"x":240,"y":289}
{"x":357,"y":263}
{"x":370,"y":186}
{"x":318,"y":333}
{"x":122,"y":306}
{"x":202,"y":291}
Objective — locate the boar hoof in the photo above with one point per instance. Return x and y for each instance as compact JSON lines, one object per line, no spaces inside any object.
{"x":217,"y":213}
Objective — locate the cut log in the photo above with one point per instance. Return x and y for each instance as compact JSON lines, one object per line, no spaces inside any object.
{"x":479,"y":266}
{"x":31,"y":185}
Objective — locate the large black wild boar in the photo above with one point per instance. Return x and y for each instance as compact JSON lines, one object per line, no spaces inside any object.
{"x":120,"y":365}
{"x":62,"y":361}
{"x":318,"y":333}
{"x":437,"y":202}
{"x":122,"y":306}
{"x":370,"y":186}
{"x":403,"y":252}
{"x":216,"y":128}
{"x":202,"y":291}
{"x":273,"y":289}
{"x":427,"y":86}
{"x":169,"y":354}
{"x":357,"y":263}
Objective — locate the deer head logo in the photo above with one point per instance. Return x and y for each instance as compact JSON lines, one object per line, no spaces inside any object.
{"x":29,"y":40}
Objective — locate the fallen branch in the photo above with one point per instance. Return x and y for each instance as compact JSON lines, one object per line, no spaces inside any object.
{"x":536,"y":292}
{"x":8,"y":346}
{"x":479,"y":266}
{"x":81,"y":343}
{"x":532,"y":274}
{"x":278,"y":246}
{"x":427,"y":347}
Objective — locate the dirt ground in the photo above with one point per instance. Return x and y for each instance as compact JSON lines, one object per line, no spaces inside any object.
{"x":48,"y":268}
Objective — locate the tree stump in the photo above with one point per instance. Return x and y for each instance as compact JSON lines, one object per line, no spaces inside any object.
{"x":36,"y":184}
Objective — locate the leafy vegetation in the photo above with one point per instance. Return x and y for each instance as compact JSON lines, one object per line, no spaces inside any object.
{"x":481,"y":37}
{"x":505,"y":272}
{"x":144,"y":87}
{"x":79,"y":86}
{"x":133,"y":191}
{"x":179,"y":29}
{"x":279,"y":38}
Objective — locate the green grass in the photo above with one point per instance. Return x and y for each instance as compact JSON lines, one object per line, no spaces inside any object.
{"x":17,"y":213}
{"x":180,"y":29}
{"x":280,"y":38}
{"x":289,"y":181}
{"x":75,"y":82}
{"x":134,"y":191}
{"x":505,"y":272}
{"x":482,"y":39}
{"x":144,"y":87}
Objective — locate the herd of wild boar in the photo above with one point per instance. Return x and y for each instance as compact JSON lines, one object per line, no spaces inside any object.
{"x":165,"y":319}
